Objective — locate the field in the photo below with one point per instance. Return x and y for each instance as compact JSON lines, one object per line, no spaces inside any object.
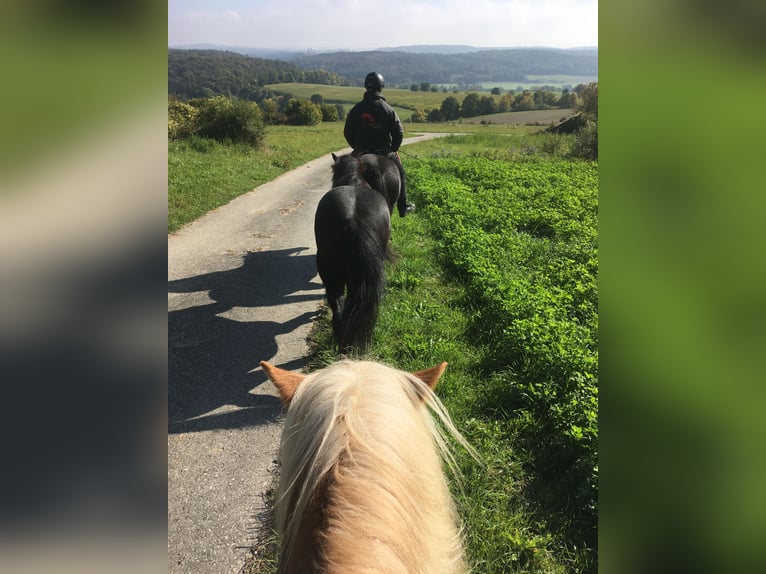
{"x":405,"y":101}
{"x":345,"y":95}
{"x":533,"y":117}
{"x":556,"y":81}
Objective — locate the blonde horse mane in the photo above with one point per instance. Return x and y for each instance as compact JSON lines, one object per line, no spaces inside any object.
{"x":362,"y":487}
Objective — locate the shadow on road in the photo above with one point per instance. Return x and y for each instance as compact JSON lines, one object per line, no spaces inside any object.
{"x":210,"y":357}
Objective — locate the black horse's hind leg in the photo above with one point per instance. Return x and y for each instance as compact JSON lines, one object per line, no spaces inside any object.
{"x":335,"y":288}
{"x":336,"y":301}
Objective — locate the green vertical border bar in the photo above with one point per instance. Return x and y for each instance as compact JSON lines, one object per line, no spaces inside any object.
{"x":682,"y":286}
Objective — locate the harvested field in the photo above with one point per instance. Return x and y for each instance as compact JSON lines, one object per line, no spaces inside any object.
{"x":534,"y":117}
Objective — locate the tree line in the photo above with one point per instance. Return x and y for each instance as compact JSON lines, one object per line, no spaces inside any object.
{"x":208,"y":73}
{"x":471,"y":68}
{"x":475,"y":104}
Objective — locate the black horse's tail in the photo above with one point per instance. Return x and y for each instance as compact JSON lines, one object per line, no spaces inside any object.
{"x":365,"y":258}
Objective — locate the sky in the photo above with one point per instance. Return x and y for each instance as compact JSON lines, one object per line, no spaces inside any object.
{"x":366,"y":25}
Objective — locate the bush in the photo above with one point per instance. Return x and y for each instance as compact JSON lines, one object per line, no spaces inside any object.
{"x":435,"y":116}
{"x":303,"y":113}
{"x":553,"y":144}
{"x":329,"y":113}
{"x":221,"y":118}
{"x":182,"y":120}
{"x":589,"y":100}
{"x":585,"y":145}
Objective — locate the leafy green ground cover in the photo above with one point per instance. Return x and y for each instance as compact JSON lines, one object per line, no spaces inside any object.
{"x":497,"y":275}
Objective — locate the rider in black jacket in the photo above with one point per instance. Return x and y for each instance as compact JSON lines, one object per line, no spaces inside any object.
{"x":372,"y":126}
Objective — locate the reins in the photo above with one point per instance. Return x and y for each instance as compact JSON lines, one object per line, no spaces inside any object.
{"x":409,"y":154}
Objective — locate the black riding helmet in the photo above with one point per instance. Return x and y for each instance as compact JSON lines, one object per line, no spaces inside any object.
{"x":374,"y":81}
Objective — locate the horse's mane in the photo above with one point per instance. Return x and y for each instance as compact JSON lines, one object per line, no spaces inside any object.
{"x":362,"y":454}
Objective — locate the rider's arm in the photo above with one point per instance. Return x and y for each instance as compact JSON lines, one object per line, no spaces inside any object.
{"x":397,"y":131}
{"x":349,"y":130}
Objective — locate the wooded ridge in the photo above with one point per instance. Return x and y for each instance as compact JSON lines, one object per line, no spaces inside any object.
{"x":203,"y":73}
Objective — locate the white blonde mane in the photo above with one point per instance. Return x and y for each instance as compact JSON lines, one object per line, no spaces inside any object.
{"x":361,"y":454}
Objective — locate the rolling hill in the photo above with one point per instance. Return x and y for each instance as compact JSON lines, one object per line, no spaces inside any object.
{"x":203,"y":72}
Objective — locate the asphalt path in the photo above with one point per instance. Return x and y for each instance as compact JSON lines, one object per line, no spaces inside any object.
{"x":242,"y":288}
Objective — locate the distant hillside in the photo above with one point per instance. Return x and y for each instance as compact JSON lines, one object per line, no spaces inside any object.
{"x":482,"y":66}
{"x":202,"y":73}
{"x":463,"y":49}
{"x":205,"y":73}
{"x":267,"y":53}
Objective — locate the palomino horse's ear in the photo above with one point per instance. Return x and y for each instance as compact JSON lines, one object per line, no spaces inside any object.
{"x":285,"y":381}
{"x":431,"y":376}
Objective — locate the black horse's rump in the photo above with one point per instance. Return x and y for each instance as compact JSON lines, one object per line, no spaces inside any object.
{"x":380,"y":172}
{"x":352,"y":230}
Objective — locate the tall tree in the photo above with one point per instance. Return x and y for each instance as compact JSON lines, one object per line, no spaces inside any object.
{"x":450,"y":108}
{"x":504,"y":105}
{"x":470,"y":106}
{"x":589,"y":97}
{"x":523,"y":101}
{"x":487,"y":105}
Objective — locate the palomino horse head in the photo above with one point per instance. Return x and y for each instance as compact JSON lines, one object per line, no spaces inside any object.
{"x":362,"y":488}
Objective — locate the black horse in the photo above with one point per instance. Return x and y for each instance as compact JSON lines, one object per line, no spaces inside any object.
{"x":382,"y":175}
{"x":352,"y":227}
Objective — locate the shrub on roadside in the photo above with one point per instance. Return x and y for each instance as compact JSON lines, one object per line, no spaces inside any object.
{"x":182,"y":119}
{"x":239,"y":121}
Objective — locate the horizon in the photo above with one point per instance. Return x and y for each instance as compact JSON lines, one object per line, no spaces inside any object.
{"x":407,"y":46}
